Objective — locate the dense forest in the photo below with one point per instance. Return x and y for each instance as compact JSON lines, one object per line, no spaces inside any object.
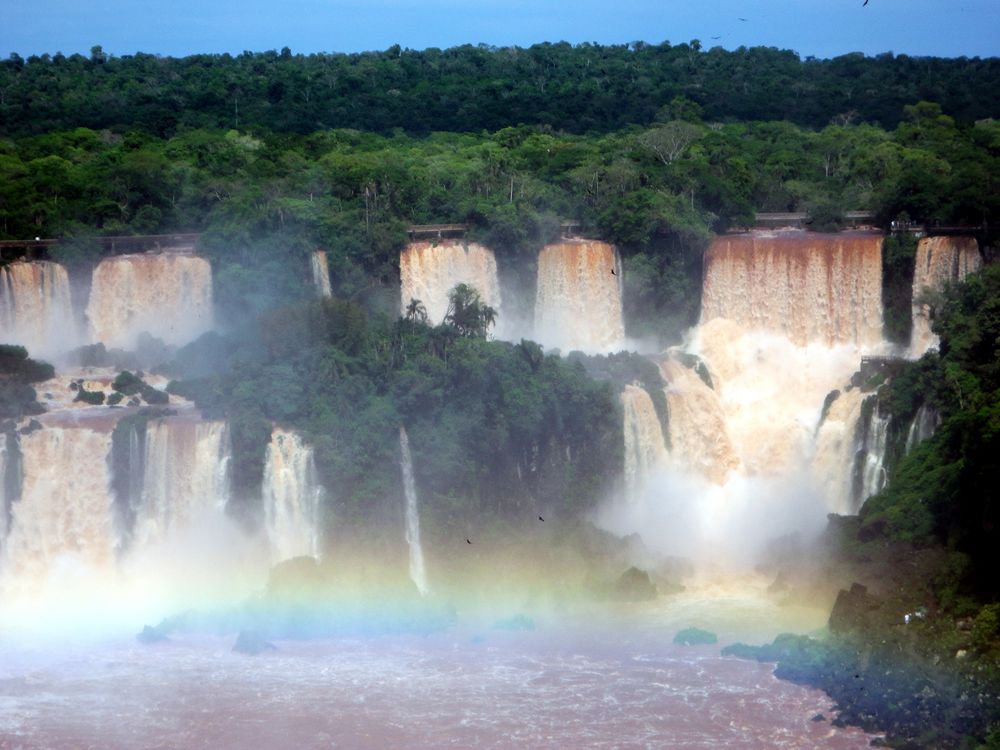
{"x":587,"y":88}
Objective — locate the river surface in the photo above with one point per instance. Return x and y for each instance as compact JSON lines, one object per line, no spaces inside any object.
{"x":600,"y":682}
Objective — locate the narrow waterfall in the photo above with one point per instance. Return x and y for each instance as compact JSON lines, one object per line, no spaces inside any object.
{"x":812,"y":288}
{"x":418,"y":573}
{"x":869,"y":473}
{"x":320,"y":273}
{"x":925,"y":423}
{"x":168,"y":296}
{"x":645,"y":452}
{"x":292,"y":497}
{"x":579,"y":300}
{"x":428,"y":271}
{"x":940,"y":261}
{"x":36,"y":308}
{"x":10,"y":482}
{"x":128,"y":471}
{"x":64,"y":517}
{"x":836,"y":446}
{"x":185,"y":475}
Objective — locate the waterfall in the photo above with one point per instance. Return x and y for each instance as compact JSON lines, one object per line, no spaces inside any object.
{"x":185,"y":474}
{"x":64,"y":518}
{"x":699,"y":435}
{"x":579,"y":301}
{"x":925,"y":423}
{"x":36,"y":308}
{"x":940,"y":261}
{"x":10,"y":481}
{"x":836,"y":446}
{"x":418,"y":573}
{"x":645,"y":451}
{"x":292,"y":497}
{"x":320,"y":273}
{"x":812,"y":288}
{"x":167,"y":295}
{"x":869,"y":464}
{"x":430,"y":270}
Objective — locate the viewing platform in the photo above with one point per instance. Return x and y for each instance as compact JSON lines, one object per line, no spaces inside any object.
{"x":439,"y":231}
{"x":797,"y":219}
{"x":38,"y":248}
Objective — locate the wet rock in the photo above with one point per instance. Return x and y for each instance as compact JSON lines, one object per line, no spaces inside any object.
{"x":150,"y":634}
{"x":252,"y":642}
{"x":634,"y":586}
{"x":695,"y":637}
{"x":854,"y":610}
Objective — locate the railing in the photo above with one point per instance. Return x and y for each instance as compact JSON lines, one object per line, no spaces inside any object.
{"x":38,"y":247}
{"x":437,"y":230}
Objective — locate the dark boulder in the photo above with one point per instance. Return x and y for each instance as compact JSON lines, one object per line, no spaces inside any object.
{"x":150,"y":634}
{"x":253,"y":643}
{"x":854,"y":610}
{"x":634,"y":585}
{"x":695,"y":637}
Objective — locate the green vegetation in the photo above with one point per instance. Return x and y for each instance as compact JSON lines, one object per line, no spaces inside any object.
{"x":265,"y":199}
{"x":491,"y":424}
{"x":942,"y":493}
{"x":586,"y":88}
{"x":17,"y":372}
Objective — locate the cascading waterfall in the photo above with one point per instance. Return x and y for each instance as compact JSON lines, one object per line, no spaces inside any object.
{"x":940,"y":261}
{"x":167,"y":295}
{"x":430,"y":270}
{"x":292,"y":497}
{"x":418,"y":573}
{"x":185,"y":475}
{"x":320,"y":273}
{"x":812,"y":288}
{"x":64,"y":518}
{"x":925,"y":423}
{"x":699,"y":435}
{"x":869,"y":466}
{"x":645,"y":452}
{"x":579,"y":300}
{"x":786,"y":317}
{"x":36,"y":308}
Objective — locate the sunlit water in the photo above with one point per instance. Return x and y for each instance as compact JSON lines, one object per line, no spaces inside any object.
{"x":615,"y":682}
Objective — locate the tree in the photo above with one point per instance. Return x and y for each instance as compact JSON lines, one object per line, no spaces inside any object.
{"x":669,"y":142}
{"x":467,"y":313}
{"x":416,"y":311}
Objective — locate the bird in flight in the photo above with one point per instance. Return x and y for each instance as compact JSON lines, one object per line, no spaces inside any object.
{"x":540,"y":518}
{"x":613,"y":272}
{"x":864,"y":3}
{"x":741,"y":19}
{"x":719,"y":37}
{"x":468,"y":542}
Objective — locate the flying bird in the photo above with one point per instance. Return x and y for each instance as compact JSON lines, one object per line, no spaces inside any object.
{"x":719,"y":37}
{"x":613,"y":272}
{"x":741,"y":19}
{"x":864,"y":3}
{"x":540,"y":518}
{"x":468,"y":542}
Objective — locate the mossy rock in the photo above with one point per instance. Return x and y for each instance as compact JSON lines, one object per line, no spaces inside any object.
{"x":94,"y":398}
{"x":695,"y":637}
{"x":634,"y":585}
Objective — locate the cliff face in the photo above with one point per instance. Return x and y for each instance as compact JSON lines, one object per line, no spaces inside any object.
{"x":940,"y":261}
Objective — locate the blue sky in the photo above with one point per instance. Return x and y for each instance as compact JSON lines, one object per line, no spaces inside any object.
{"x":824,"y":28}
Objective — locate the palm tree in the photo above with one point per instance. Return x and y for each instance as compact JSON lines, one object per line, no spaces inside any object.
{"x":416,"y":312}
{"x":467,"y":313}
